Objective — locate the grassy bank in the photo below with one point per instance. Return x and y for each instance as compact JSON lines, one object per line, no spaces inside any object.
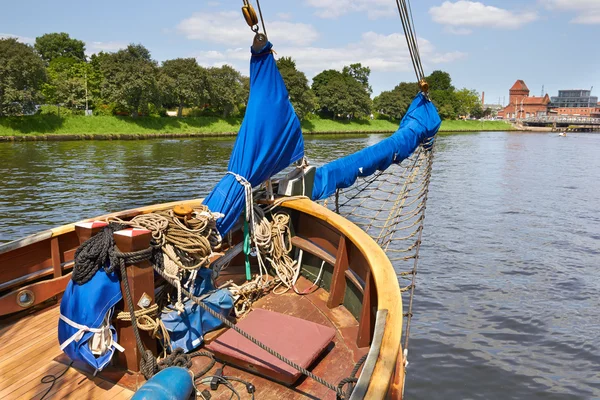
{"x":108,"y":126}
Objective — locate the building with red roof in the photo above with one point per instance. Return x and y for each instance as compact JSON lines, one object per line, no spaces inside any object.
{"x":521,"y":105}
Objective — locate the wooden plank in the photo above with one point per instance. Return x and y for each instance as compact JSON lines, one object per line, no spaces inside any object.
{"x":30,"y":360}
{"x":38,"y":275}
{"x":30,"y":382}
{"x":320,"y":233}
{"x":56,"y":256}
{"x":359,"y":263}
{"x":24,"y":261}
{"x":71,"y":381}
{"x":41,"y":291}
{"x":13,"y":325}
{"x":313,"y":249}
{"x":27,"y":341}
{"x":367,"y":314}
{"x":68,"y":243}
{"x":353,"y":277}
{"x":338,"y":282}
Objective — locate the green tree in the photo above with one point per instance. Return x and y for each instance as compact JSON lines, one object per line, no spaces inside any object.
{"x":341,"y":94}
{"x":183,"y":82}
{"x":394,"y":103}
{"x":22,"y":74}
{"x":466,"y":101}
{"x":323,"y":78}
{"x":301,"y":95}
{"x":445,"y":101}
{"x":478,"y":112}
{"x":129,"y":78}
{"x":226,"y":89}
{"x":360,"y":73}
{"x":68,"y":79}
{"x":440,"y":80}
{"x":54,"y":45}
{"x":442,"y":93}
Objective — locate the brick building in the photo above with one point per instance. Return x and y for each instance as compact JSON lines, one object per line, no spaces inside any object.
{"x":521,"y":105}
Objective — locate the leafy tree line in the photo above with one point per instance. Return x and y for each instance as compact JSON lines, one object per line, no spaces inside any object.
{"x":129,"y":82}
{"x":451,"y":103}
{"x":56,"y":71}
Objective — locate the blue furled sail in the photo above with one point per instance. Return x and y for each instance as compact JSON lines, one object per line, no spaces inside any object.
{"x":269,"y":140}
{"x":420,"y":122}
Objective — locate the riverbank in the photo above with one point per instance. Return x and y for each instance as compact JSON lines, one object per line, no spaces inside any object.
{"x":51,"y":127}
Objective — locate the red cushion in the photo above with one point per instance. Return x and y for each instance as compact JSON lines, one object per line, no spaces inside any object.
{"x":298,"y":340}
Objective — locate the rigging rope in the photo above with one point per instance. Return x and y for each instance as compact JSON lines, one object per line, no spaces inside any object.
{"x":410,"y":33}
{"x":388,"y":203}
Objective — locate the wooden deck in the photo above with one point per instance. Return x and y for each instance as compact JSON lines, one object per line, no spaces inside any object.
{"x":29,"y":350}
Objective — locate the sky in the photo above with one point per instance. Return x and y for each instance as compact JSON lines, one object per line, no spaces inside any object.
{"x":485,"y":46}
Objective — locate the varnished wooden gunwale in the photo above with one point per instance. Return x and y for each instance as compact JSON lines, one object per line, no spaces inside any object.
{"x":26,"y":263}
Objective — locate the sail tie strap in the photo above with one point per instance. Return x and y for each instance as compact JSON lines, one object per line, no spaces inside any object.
{"x":82,"y":329}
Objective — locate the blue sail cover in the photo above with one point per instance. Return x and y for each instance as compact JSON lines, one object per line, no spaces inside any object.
{"x":269,"y":140}
{"x":83,"y":311}
{"x":420,"y":122}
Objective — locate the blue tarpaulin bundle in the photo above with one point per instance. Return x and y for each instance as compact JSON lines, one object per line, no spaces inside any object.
{"x":187,"y":329}
{"x":269,"y":140}
{"x":420,"y":122}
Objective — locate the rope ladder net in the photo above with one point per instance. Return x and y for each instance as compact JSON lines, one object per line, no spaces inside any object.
{"x":390,"y":206}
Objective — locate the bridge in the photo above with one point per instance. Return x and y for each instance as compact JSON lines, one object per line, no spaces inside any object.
{"x":564,"y":123}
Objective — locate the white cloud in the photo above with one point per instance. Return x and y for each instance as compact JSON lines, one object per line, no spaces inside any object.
{"x":588,"y":11}
{"x":462,"y":14}
{"x":284,"y":16}
{"x":458,"y":31}
{"x":97,"y":47}
{"x":335,"y":8}
{"x":382,"y":53}
{"x":225,"y":28}
{"x":22,"y":39}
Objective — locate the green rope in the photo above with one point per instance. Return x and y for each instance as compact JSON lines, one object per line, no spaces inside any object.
{"x":247,"y":248}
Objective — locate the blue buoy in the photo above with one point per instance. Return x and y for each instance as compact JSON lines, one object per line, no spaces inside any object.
{"x":173,"y":383}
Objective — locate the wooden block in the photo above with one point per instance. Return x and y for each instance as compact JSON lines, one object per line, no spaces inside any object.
{"x":86,"y":230}
{"x":141,"y":282}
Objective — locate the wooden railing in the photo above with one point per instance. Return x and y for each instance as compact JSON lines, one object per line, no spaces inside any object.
{"x":380,"y":321}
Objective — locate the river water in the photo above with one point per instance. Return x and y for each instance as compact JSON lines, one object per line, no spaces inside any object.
{"x":507,"y":303}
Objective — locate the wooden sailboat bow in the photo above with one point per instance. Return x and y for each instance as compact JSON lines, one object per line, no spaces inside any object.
{"x":276,"y":287}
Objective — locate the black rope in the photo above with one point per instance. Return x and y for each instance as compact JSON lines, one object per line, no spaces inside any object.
{"x":51,"y":379}
{"x":95,"y":253}
{"x":350,"y":381}
{"x":178,"y":358}
{"x":230,"y":325}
